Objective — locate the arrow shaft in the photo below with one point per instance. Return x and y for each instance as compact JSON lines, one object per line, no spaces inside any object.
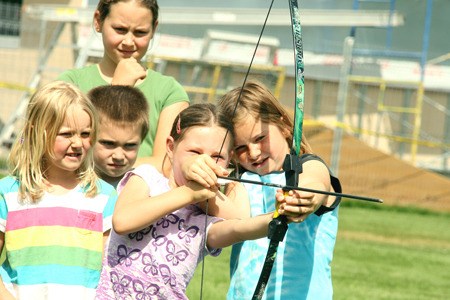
{"x":223,"y":180}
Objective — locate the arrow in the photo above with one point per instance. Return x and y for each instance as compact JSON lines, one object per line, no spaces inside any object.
{"x":223,"y":180}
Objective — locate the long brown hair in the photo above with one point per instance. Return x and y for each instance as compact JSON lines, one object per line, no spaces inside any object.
{"x":257,"y":100}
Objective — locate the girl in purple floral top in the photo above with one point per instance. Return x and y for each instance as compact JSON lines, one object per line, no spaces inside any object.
{"x":159,"y":230}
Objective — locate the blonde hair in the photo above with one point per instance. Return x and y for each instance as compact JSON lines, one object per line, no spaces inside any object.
{"x":45,"y":115}
{"x":255,"y":99}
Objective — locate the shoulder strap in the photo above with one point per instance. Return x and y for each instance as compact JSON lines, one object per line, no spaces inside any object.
{"x":335,"y":183}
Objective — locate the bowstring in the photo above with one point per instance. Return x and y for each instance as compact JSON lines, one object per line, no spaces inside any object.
{"x":228,"y":132}
{"x":247,"y":73}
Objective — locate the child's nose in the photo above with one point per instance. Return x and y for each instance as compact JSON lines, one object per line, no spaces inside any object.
{"x":76,"y":140}
{"x":118,"y":154}
{"x":128,"y":39}
{"x":254,"y":151}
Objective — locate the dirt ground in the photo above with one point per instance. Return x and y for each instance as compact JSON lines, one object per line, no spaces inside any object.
{"x":368,"y":172}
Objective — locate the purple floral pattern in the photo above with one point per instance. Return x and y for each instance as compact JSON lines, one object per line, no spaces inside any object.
{"x":167,"y":220}
{"x":186,"y":232}
{"x":173,"y":255}
{"x":145,"y":293}
{"x":127,"y":257}
{"x":150,"y":264}
{"x":167,"y":276}
{"x":120,"y":285}
{"x":158,"y":261}
{"x":139,"y":235}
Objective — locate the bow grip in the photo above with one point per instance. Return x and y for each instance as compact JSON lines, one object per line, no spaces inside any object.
{"x":277,"y":229}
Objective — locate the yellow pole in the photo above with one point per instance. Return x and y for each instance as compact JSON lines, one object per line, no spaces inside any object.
{"x":417,"y":123}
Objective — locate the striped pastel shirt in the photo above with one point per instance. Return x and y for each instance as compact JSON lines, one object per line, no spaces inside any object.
{"x":54,"y":247}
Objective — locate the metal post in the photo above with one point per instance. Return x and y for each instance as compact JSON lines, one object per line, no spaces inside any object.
{"x":426,"y":39}
{"x":445,"y":151}
{"x":341,"y":103}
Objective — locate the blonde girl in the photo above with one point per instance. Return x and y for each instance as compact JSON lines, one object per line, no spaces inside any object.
{"x":263,"y":134}
{"x":54,"y":211}
{"x":127,"y":27}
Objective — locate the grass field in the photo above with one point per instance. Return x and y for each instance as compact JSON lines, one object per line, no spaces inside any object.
{"x":382,"y":252}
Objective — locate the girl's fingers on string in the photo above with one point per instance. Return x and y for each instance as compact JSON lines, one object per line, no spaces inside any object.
{"x":215,"y":168}
{"x":198,"y":179}
{"x":194,"y":172}
{"x":210,"y":178}
{"x":210,"y":175}
{"x":197,"y":169}
{"x":207,"y":180}
{"x":203,"y":170}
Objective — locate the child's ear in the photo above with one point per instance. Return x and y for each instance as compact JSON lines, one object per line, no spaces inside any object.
{"x":170,"y":144}
{"x":97,"y":22}
{"x":154,"y":28}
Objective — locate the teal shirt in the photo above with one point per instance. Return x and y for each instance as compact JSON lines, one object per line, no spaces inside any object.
{"x":302,"y":266}
{"x":160,"y":91}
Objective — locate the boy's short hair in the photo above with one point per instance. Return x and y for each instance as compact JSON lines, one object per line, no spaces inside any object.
{"x":121,"y":104}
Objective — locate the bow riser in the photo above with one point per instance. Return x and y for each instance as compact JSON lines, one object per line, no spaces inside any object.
{"x":299,"y":78}
{"x":291,"y":166}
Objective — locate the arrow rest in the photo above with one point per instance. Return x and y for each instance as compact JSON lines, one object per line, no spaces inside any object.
{"x":292,"y":168}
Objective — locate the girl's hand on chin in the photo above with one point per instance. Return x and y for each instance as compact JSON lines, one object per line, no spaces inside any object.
{"x":128,"y":72}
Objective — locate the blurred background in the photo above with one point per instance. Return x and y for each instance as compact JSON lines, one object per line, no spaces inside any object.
{"x":377,"y":99}
{"x":377,"y":73}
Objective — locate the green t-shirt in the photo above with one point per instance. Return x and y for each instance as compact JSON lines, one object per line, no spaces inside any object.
{"x":161,"y":91}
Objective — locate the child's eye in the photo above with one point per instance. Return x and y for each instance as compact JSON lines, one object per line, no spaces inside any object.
{"x":218,"y":157}
{"x":141,"y":33}
{"x":120,"y":30}
{"x":85,"y":134}
{"x":260,"y":138}
{"x":107,"y":144}
{"x":239,"y":149}
{"x":131,"y":146}
{"x":65,"y":134}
